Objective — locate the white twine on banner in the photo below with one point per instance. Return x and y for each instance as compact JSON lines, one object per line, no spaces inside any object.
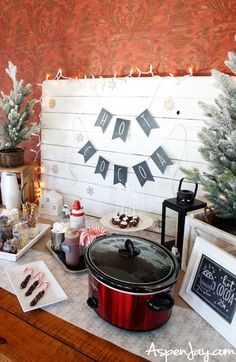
{"x":111,"y":163}
{"x":114,"y":79}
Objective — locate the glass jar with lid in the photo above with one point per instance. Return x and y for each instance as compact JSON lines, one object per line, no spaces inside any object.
{"x":71,"y":247}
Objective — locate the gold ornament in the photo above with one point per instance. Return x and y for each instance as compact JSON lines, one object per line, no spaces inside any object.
{"x":112,"y":84}
{"x":223,"y":198}
{"x":55,"y":169}
{"x":79,"y":137}
{"x":90,"y":190}
{"x":51,"y":103}
{"x":169,"y":104}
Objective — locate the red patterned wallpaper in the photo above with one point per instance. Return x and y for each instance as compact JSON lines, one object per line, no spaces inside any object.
{"x":101,"y":37}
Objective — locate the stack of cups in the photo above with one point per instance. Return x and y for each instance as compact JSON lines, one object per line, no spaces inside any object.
{"x":71,"y":247}
{"x":10,"y":192}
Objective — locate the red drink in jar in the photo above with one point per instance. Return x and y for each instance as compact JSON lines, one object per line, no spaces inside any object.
{"x":71,"y":247}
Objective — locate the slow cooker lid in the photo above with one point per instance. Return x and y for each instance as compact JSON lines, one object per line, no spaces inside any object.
{"x":131,"y":260}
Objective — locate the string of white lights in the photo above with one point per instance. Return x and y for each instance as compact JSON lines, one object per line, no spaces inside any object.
{"x":59,"y":75}
{"x":149,"y":72}
{"x":36,"y":152}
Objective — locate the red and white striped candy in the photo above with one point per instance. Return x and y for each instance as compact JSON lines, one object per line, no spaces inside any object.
{"x":89,"y":234}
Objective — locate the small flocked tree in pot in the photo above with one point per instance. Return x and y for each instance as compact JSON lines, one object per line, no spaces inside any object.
{"x":218,"y":138}
{"x":15,"y":125}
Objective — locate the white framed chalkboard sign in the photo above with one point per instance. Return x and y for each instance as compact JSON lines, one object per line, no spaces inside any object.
{"x":209,"y":287}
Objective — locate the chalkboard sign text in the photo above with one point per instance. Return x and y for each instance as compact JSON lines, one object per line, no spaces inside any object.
{"x":216,"y":286}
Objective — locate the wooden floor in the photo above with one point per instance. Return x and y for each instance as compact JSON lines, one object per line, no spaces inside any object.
{"x":40,"y":336}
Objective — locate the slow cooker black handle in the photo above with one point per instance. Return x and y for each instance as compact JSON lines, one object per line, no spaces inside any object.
{"x":130,"y":251}
{"x":161,"y":302}
{"x":92,"y":302}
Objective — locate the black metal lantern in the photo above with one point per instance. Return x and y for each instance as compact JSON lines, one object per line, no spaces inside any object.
{"x":182,"y":204}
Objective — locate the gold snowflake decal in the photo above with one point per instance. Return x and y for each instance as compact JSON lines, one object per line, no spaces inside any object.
{"x":112,"y":84}
{"x":51,"y":103}
{"x":169,"y":104}
{"x":90,"y":190}
{"x":55,"y":169}
{"x":80,"y":137}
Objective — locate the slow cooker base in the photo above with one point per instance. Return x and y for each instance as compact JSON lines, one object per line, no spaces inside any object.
{"x":131,"y":281}
{"x":134,"y":330}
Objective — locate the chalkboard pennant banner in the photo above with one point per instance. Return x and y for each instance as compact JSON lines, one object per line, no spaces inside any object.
{"x":102,"y":167}
{"x":103,"y":119}
{"x":143,"y":173}
{"x":120,"y":175}
{"x":87,"y":151}
{"x":147,"y":122}
{"x":121,"y":129}
{"x":161,"y":159}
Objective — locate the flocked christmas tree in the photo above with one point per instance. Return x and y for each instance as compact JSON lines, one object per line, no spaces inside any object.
{"x":15,"y":126}
{"x":218,"y":138}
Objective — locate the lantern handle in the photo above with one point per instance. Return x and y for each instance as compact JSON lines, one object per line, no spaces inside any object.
{"x":196,"y":187}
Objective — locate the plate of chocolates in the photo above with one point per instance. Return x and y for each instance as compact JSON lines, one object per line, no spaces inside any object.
{"x":129,"y":222}
{"x":35,"y":286}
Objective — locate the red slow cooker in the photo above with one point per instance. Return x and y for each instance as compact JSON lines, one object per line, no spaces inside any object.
{"x":131,"y":281}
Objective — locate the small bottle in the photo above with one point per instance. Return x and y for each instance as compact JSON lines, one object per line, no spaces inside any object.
{"x":77,"y":218}
{"x":71,"y":247}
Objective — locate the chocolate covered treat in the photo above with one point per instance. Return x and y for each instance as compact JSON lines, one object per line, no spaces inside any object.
{"x":32,"y":288}
{"x":133,"y":223}
{"x":27,"y":278}
{"x":39,"y":295}
{"x":115,"y":221}
{"x":37,"y":298}
{"x":123,"y":221}
{"x":123,"y":224}
{"x":25,"y":281}
{"x":125,"y":218}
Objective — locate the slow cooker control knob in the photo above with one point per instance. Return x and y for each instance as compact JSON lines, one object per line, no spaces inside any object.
{"x":92,"y":302}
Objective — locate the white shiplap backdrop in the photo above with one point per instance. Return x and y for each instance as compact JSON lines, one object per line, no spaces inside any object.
{"x":69,"y":111}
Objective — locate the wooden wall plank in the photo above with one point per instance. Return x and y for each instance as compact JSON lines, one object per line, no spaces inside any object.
{"x":187,"y":108}
{"x":166,"y":86}
{"x":169,"y":127}
{"x":131,"y":152}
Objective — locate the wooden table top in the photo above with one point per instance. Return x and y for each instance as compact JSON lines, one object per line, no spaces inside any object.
{"x":41,"y":336}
